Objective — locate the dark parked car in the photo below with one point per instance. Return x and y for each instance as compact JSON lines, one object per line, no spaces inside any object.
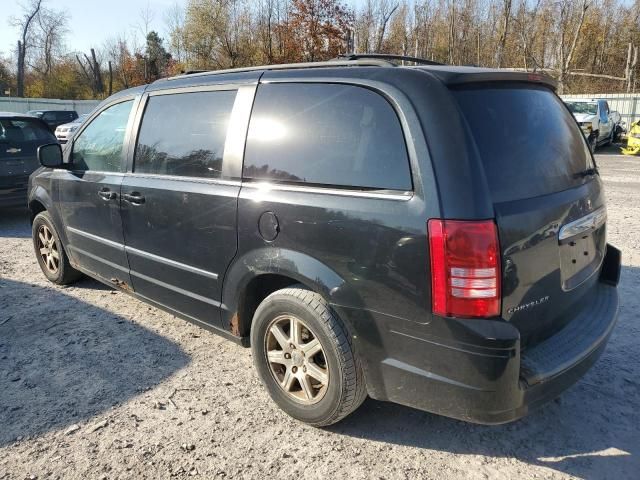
{"x":20,"y":136}
{"x":366,"y":228}
{"x":54,"y":118}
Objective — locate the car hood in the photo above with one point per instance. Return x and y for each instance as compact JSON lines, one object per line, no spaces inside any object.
{"x":584,"y":117}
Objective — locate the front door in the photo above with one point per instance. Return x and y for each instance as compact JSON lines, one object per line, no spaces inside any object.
{"x":88,"y":194}
{"x":179,"y":205}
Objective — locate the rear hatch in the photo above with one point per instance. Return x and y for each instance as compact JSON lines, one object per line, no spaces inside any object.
{"x":548,"y":202}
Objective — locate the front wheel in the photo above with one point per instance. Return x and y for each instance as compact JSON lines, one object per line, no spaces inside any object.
{"x":50,"y":253}
{"x":304,"y":357}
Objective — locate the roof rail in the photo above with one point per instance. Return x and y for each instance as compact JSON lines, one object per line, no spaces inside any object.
{"x":191,"y":72}
{"x":384,"y":56}
{"x":365,"y":62}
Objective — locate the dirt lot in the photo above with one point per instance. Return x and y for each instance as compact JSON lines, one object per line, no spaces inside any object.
{"x":94,"y":384}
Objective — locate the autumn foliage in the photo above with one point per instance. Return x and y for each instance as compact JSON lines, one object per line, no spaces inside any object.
{"x":589,"y":45}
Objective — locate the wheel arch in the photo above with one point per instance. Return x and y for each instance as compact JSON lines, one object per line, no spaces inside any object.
{"x":256,"y":274}
{"x":39,"y":201}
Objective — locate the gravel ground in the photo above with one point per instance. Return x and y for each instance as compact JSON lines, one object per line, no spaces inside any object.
{"x":94,"y":384}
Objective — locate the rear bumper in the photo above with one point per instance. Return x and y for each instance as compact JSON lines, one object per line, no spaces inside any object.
{"x":478,"y":372}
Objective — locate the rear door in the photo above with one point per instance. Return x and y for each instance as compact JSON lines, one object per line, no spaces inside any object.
{"x":179,"y":203}
{"x":327,"y":179}
{"x":548,"y":201}
{"x":88,"y":194}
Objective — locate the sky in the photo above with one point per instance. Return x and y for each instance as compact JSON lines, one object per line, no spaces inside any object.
{"x":92,"y":22}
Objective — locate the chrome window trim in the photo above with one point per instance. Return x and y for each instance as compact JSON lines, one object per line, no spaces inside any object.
{"x":592,"y":221}
{"x":98,"y":172}
{"x":390,"y":195}
{"x":171,"y":90}
{"x":161,"y":176}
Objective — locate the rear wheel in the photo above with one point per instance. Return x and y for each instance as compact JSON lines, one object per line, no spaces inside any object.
{"x":51,"y":256}
{"x":304,"y":357}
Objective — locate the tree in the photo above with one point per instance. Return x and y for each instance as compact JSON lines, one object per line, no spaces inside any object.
{"x":25,"y":23}
{"x":92,"y":71}
{"x":6,"y":78}
{"x":156,"y":57}
{"x":502,"y":41}
{"x":567,"y":12}
{"x":320,"y":27}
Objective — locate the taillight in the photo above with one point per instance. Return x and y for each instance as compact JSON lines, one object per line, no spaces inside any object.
{"x":465,"y":268}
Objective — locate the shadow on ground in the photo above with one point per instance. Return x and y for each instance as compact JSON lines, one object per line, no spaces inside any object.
{"x":613,"y":149}
{"x":59,"y":368}
{"x":591,"y":431}
{"x":15,"y":222}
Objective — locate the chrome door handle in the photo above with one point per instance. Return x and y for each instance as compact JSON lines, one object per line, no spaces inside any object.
{"x":134,"y":198}
{"x":107,"y":194}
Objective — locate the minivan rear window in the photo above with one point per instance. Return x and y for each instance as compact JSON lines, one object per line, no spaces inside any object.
{"x":24,"y":130}
{"x":528,"y":141}
{"x":326,"y":134}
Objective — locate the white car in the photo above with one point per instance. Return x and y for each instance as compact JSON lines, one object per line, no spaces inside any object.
{"x":65,"y":131}
{"x":594,"y":118}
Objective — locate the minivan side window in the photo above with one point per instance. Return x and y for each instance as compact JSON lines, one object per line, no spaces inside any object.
{"x":329,"y":134}
{"x":183,"y":134}
{"x":99,"y":146}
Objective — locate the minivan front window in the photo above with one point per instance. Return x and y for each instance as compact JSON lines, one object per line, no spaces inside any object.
{"x":99,"y":146}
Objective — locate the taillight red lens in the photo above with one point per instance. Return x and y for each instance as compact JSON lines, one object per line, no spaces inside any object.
{"x":465,"y":268}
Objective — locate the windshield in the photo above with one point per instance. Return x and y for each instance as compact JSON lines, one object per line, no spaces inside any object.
{"x":590,"y":108}
{"x":528,"y":142}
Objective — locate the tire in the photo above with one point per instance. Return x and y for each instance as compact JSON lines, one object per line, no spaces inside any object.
{"x":52,"y":258}
{"x":320,"y":404}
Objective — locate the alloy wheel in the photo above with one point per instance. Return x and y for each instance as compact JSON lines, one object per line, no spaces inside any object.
{"x":48,"y":249}
{"x":296,"y":359}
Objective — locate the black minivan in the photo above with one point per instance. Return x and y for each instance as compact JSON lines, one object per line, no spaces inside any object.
{"x":367,"y":228}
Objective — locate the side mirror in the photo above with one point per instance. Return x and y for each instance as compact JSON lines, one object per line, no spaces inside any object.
{"x":50,"y":155}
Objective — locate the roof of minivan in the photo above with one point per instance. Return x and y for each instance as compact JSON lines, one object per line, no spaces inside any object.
{"x":446,"y":73}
